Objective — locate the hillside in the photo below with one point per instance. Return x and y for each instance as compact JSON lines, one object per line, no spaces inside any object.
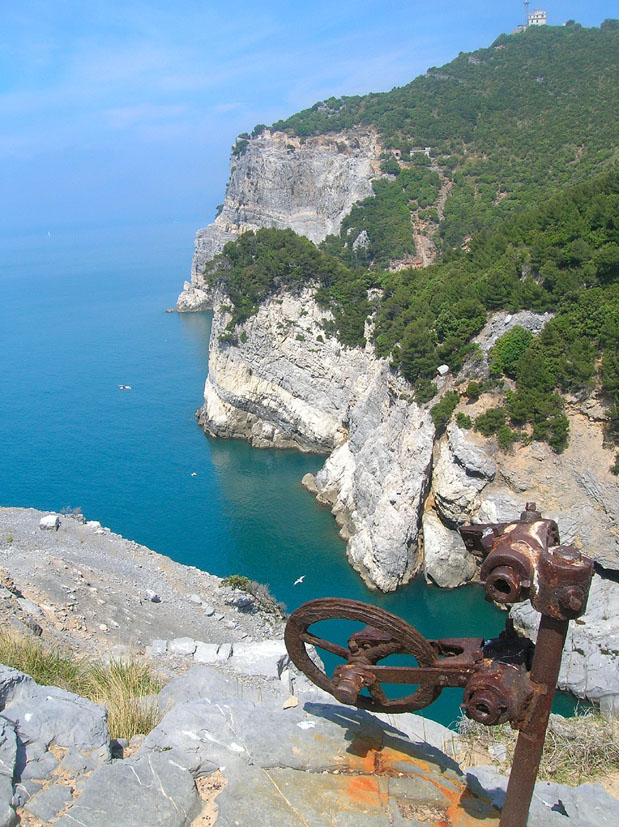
{"x":562,"y":257}
{"x":502,"y":126}
{"x":329,"y":331}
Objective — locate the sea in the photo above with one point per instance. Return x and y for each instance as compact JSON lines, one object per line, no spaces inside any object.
{"x":83,"y":312}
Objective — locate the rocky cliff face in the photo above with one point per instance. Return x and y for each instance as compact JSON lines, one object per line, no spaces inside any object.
{"x":284,"y":384}
{"x":285,"y":182}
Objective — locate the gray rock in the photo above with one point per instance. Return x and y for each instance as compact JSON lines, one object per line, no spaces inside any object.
{"x":209,"y":611}
{"x":152,"y":596}
{"x":29,"y":607}
{"x":609,"y":706}
{"x":445,"y":558}
{"x":75,"y":762}
{"x":206,"y":652}
{"x":8,"y":816}
{"x":588,"y":805}
{"x":267,"y":657}
{"x":462,"y":469}
{"x":157,"y":648}
{"x":195,"y":599}
{"x":14,"y":684}
{"x":224,"y":652}
{"x":23,"y":791}
{"x":309,"y":190}
{"x":48,"y":803}
{"x":50,"y":715}
{"x":50,"y":523}
{"x":239,"y":599}
{"x":153,"y":789}
{"x":590,"y":663}
{"x":251,"y":790}
{"x":199,"y":731}
{"x":39,"y":769}
{"x":201,"y":683}
{"x":8,"y":748}
{"x":182,"y":646}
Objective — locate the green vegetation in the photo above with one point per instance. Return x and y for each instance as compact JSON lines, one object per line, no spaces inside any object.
{"x":119,"y":685}
{"x":489,"y":422}
{"x":560,"y":256}
{"x":513,"y":131}
{"x":260,"y":264}
{"x":385,"y":219}
{"x":259,"y":591}
{"x":509,"y":349}
{"x":554,"y":257}
{"x":506,"y":125}
{"x":463,"y":420}
{"x":442,"y":411}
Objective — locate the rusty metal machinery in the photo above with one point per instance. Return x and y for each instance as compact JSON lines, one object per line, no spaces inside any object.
{"x":506,"y":679}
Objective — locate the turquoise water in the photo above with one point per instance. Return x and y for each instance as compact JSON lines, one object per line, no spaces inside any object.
{"x":83,"y":312}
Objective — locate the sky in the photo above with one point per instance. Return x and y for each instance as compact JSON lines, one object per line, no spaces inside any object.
{"x":119,"y":113}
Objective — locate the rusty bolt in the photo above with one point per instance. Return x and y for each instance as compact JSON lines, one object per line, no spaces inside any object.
{"x":530,"y":513}
{"x":571,"y":599}
{"x":348,"y":681}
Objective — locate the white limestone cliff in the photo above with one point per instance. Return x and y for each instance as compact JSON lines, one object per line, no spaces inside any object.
{"x":308,"y":185}
{"x":285,"y":384}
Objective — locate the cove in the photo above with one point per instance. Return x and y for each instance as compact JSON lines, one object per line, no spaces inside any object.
{"x":82,"y":311}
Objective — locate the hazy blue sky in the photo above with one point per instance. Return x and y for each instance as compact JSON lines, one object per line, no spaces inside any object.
{"x":114,"y":112}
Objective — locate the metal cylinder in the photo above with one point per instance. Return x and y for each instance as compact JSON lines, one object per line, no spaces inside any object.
{"x":530,"y":744}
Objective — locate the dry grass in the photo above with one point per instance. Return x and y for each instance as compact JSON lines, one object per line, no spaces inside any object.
{"x":577,"y":750}
{"x":121,"y":685}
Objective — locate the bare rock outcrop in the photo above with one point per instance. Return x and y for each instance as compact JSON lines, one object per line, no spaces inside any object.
{"x":590,"y":663}
{"x":286,"y":384}
{"x":285,"y":182}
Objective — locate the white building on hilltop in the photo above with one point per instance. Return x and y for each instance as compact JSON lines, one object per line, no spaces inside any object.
{"x":537,"y":18}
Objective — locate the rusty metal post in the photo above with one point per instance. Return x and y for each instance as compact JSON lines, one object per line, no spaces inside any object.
{"x":530,"y":744}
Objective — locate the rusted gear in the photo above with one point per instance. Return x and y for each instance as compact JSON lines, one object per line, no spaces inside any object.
{"x":384,"y":634}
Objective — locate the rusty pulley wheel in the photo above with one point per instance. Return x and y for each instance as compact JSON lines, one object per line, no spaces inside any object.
{"x":390,"y":635}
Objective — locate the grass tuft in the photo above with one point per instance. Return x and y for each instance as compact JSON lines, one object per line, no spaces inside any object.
{"x":122,"y":686}
{"x":576,"y":751}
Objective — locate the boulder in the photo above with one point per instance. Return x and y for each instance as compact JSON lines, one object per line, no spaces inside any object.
{"x":182,"y":646}
{"x":152,"y":789}
{"x":445,"y":558}
{"x":266,"y":657}
{"x":590,"y":663}
{"x":50,"y":523}
{"x":49,"y":715}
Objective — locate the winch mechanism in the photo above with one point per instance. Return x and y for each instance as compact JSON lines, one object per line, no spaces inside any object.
{"x":504,"y":679}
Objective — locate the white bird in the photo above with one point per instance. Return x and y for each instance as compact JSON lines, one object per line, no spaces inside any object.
{"x":298,"y":580}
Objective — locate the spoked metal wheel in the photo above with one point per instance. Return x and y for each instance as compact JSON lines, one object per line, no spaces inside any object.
{"x":382,"y":635}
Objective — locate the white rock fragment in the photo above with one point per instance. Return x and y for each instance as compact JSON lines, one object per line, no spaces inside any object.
{"x":442,"y":370}
{"x":51,"y":522}
{"x":206,"y":652}
{"x":152,"y":596}
{"x":182,"y":646}
{"x":224,"y":652}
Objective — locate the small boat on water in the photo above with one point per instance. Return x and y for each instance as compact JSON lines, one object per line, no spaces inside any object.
{"x":125,"y":387}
